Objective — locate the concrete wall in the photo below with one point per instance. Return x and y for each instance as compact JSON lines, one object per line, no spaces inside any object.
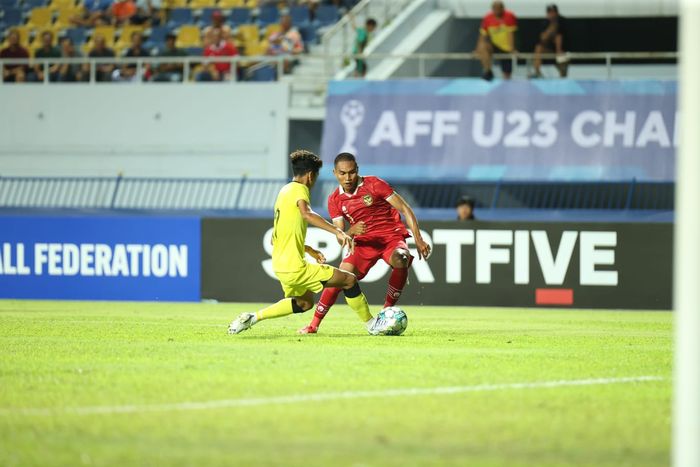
{"x":207,"y":130}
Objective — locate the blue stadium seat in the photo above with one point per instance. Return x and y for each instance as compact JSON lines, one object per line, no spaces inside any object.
{"x":12,"y":17}
{"x":77,"y":35}
{"x":30,"y":4}
{"x":264,"y":73}
{"x":180,"y":16}
{"x":327,"y":15}
{"x":308,"y":34}
{"x":194,"y":51}
{"x":300,"y":15}
{"x":205,"y":17}
{"x":268,"y":15}
{"x":94,"y":5}
{"x":157,"y":34}
{"x":240,"y":16}
{"x":4,"y":4}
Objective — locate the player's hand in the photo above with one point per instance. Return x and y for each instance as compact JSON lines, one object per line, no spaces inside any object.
{"x":315,"y":254}
{"x":357,"y":229}
{"x":423,"y":248}
{"x":345,"y":240}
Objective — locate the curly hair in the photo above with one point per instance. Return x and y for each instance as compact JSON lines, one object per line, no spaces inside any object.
{"x":304,"y":161}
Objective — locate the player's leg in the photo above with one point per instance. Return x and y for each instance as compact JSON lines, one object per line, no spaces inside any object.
{"x":328,"y":298}
{"x":400,"y":260}
{"x":284,"y":307}
{"x":353,"y":294}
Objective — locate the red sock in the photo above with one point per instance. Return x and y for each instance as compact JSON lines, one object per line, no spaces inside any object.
{"x":328,"y":298}
{"x":396,"y":282}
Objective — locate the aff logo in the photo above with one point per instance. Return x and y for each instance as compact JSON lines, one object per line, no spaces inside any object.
{"x":494,"y":249}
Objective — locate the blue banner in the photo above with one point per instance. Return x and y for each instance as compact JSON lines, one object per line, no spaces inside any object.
{"x":100,"y":258}
{"x":476,"y":130}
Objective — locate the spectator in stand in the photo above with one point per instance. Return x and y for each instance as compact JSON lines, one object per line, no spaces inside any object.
{"x":287,"y":41}
{"x":122,"y":11}
{"x":217,"y":22}
{"x":219,"y":47}
{"x":103,"y":71}
{"x":497,"y":35}
{"x":127,"y":72}
{"x":552,"y":40}
{"x":69,"y":73}
{"x":91,"y":15}
{"x":362,"y":38}
{"x":14,"y":73}
{"x":47,"y":50}
{"x":465,"y":209}
{"x":170,"y":72}
{"x":147,"y":12}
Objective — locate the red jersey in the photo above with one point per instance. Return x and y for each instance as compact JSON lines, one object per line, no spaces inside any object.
{"x":223,"y":49}
{"x":369,"y":204}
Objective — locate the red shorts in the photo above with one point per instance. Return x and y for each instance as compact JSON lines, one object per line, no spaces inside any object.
{"x":368,"y":252}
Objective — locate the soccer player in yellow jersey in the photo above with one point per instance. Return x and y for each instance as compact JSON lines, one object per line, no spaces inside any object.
{"x":301,"y":280}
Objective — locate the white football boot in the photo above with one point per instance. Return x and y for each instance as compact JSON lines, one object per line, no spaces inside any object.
{"x":376,"y":326}
{"x":244,"y":322}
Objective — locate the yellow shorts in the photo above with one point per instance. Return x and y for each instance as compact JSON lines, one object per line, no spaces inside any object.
{"x":312,"y":277}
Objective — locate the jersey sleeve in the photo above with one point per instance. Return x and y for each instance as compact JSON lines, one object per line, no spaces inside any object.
{"x":333,"y":209}
{"x":299,"y":193}
{"x":382,"y":188}
{"x":511,"y":22}
{"x":483,"y":29}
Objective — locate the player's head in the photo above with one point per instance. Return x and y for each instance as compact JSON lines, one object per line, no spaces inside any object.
{"x":346,"y":171}
{"x":305,"y":166}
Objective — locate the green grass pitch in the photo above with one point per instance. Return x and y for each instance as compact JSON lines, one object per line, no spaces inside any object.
{"x":108,"y":384}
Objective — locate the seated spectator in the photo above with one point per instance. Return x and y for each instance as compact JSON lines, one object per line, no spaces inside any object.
{"x":47,"y":50}
{"x":122,"y":11}
{"x":14,"y":73}
{"x":362,"y":38}
{"x":465,"y":209}
{"x":100,"y":50}
{"x":90,"y":16}
{"x":127,"y":72}
{"x":552,"y":40}
{"x":217,"y":22}
{"x":287,"y":41}
{"x":70,"y":73}
{"x":147,"y":13}
{"x":219,"y":47}
{"x":497,"y":35}
{"x":169,"y":72}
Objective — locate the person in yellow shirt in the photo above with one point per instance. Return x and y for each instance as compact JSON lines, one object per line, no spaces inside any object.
{"x":300,"y":280}
{"x":497,"y":35}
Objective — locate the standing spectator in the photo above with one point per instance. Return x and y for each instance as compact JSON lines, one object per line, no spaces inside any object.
{"x":169,"y":72}
{"x":497,"y":35}
{"x":552,"y":40}
{"x":69,"y":73}
{"x":14,"y":73}
{"x":47,"y":50}
{"x":127,"y":72}
{"x":122,"y":11}
{"x":465,"y":209}
{"x":217,"y":71}
{"x":100,"y":50}
{"x":217,"y":22}
{"x":362,"y":38}
{"x":287,"y":41}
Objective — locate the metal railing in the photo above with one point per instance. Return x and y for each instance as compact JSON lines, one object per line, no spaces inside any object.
{"x":259,"y":194}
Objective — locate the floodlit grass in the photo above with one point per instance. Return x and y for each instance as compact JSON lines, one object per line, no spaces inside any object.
{"x":63,"y":357}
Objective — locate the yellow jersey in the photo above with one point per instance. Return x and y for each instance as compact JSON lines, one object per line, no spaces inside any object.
{"x":289,"y":233}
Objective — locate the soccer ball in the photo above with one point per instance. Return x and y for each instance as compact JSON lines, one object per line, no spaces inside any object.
{"x":395,"y":320}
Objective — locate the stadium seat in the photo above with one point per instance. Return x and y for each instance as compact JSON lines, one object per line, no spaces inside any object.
{"x":326,"y":15}
{"x":228,"y":4}
{"x":263,"y":73}
{"x":125,"y":36}
{"x":240,"y":16}
{"x":168,"y":4}
{"x":205,"y":16}
{"x":180,"y":16}
{"x":31,"y":4}
{"x":40,"y":18}
{"x":108,"y":32}
{"x":268,"y":15}
{"x":12,"y":17}
{"x":61,"y":4}
{"x":272,"y":29}
{"x":300,"y":15}
{"x":308,"y":34}
{"x":194,"y":51}
{"x":77,"y":35}
{"x":5,"y":4}
{"x":196,"y":4}
{"x":156,"y":35}
{"x":64,"y":15}
{"x":249,"y":33}
{"x":254,"y":48}
{"x":188,"y":35}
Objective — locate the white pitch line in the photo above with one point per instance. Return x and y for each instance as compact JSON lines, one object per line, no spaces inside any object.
{"x":319,"y":397}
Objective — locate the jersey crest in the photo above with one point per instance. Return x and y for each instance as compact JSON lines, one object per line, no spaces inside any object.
{"x":367,"y":199}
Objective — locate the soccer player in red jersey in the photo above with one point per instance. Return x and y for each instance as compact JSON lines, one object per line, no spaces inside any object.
{"x":373,"y":210}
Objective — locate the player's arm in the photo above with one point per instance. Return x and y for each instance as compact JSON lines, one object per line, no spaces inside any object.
{"x":317,"y":221}
{"x":402,"y":206}
{"x":315,"y":254}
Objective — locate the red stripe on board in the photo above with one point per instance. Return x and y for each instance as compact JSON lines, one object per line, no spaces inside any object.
{"x":554,"y":296}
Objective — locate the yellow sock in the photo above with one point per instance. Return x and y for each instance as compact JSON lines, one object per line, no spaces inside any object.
{"x":281,"y":308}
{"x":361,"y":307}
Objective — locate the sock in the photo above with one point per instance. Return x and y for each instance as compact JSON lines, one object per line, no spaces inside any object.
{"x":397,"y":281}
{"x":327,"y":300}
{"x":282,"y":308}
{"x":358,"y":302}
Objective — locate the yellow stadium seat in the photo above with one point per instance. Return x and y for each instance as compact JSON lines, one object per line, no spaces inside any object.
{"x":125,"y":35}
{"x":227,"y":4}
{"x":62,"y":4}
{"x":252,"y":3}
{"x":174,"y":3}
{"x":108,"y":32}
{"x":40,"y":17}
{"x":272,"y":29}
{"x":64,"y":15}
{"x":188,"y":36}
{"x":256,"y":48}
{"x":249,"y":33}
{"x":202,"y":3}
